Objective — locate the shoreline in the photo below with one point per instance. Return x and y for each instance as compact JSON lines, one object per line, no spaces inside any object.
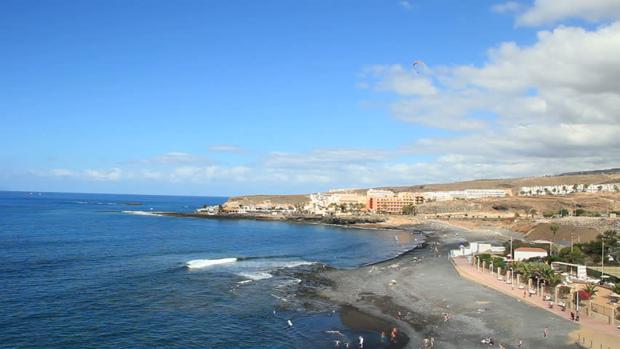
{"x":352,"y":316}
{"x":413,"y":290}
{"x":380,"y":303}
{"x":334,"y":221}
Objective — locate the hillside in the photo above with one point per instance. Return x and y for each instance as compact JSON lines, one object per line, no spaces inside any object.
{"x":591,"y":177}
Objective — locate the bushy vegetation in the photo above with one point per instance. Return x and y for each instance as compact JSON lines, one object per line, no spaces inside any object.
{"x":537,"y":270}
{"x":409,"y":209}
{"x":593,"y":249}
{"x":589,"y":291}
{"x":572,"y":255}
{"x":497,"y":261}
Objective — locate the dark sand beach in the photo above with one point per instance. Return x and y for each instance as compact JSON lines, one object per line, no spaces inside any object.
{"x":413,"y":291}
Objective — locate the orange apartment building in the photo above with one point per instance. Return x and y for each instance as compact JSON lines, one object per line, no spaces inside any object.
{"x":392,"y":204}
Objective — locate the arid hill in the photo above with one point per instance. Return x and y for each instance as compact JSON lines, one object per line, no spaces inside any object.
{"x":540,"y":203}
{"x":590,"y":177}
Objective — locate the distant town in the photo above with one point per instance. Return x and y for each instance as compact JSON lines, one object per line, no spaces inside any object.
{"x":384,"y":201}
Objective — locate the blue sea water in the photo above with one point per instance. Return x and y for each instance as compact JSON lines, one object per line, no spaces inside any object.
{"x":78,"y":272}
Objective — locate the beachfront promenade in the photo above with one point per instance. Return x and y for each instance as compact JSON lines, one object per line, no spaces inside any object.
{"x":593,"y":333}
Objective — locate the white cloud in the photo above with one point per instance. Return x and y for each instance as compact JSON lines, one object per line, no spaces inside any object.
{"x":407,"y":4}
{"x":397,"y":79}
{"x":319,"y":158}
{"x":175,"y":157}
{"x":113,"y":174}
{"x":505,"y":7}
{"x":209,"y":174}
{"x":549,"y":107}
{"x":61,"y":172}
{"x":552,"y":11}
{"x":225,"y":148}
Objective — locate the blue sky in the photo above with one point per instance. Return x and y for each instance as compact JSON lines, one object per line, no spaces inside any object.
{"x":229,"y":97}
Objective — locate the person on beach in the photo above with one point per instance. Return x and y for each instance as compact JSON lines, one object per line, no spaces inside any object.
{"x":545,"y":332}
{"x":394,"y":335}
{"x":524,"y":293}
{"x":572,"y":316}
{"x":432,"y":342}
{"x":382,"y":336}
{"x":520,"y":343}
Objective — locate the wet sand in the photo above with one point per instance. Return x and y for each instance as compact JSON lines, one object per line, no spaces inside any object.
{"x":427,"y":286}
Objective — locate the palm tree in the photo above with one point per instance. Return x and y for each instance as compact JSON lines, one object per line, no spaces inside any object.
{"x":554,"y":230}
{"x":550,"y":277}
{"x":592,"y":289}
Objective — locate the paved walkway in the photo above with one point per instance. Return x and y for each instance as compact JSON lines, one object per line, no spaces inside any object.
{"x":469,"y":271}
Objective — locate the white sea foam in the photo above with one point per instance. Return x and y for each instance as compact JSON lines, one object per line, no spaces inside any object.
{"x":296,"y":264}
{"x":203,"y":263}
{"x":258,"y":275}
{"x":142,"y":213}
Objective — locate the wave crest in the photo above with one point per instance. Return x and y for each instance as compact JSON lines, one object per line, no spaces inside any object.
{"x":259,"y":275}
{"x":142,"y":213}
{"x":203,"y":263}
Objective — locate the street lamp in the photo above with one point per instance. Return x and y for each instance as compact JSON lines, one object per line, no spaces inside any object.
{"x":602,"y":258}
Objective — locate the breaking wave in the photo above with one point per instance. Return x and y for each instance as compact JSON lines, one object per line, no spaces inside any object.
{"x":203,"y":263}
{"x":254,"y":276}
{"x":142,"y":213}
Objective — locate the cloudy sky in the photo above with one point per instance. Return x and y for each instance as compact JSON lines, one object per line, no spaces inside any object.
{"x":225,"y":97}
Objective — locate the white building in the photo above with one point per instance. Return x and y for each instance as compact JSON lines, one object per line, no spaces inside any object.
{"x":523,"y":253}
{"x":379,"y":193}
{"x":565,"y":189}
{"x":466,"y":194}
{"x":323,"y":203}
{"x":477,"y":248}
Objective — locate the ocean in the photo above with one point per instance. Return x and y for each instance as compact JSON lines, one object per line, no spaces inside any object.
{"x":80,"y":271}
